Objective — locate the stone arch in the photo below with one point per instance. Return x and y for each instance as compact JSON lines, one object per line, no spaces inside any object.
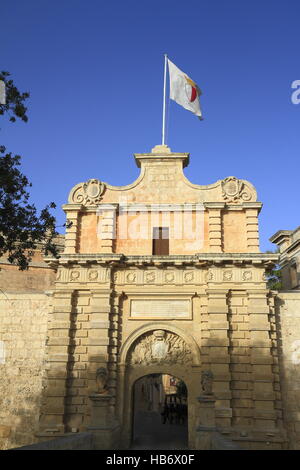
{"x":135,"y":335}
{"x":130,"y":372}
{"x":150,"y":394}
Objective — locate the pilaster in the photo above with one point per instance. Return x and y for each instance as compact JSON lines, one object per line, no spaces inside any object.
{"x":215,"y":226}
{"x":218,"y":353}
{"x":72,"y":214}
{"x":107,"y":226}
{"x":53,"y":407}
{"x":252,"y":234}
{"x":262,"y":361}
{"x":102,"y":340}
{"x":241,"y":368}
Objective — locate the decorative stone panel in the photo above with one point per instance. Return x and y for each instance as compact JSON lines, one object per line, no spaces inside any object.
{"x":160,"y":347}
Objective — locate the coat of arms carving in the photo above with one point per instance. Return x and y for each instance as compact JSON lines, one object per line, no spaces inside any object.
{"x":234,"y":189}
{"x":160,"y":347}
{"x":88,"y":193}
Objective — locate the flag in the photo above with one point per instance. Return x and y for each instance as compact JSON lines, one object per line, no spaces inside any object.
{"x":184,"y":90}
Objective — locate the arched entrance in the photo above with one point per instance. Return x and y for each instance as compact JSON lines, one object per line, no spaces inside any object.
{"x":160,"y":415}
{"x":152,"y":350}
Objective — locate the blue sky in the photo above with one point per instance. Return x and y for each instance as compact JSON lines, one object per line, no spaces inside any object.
{"x":94,"y":70}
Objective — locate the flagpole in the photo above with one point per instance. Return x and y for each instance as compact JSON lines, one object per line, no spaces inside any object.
{"x":164,"y":103}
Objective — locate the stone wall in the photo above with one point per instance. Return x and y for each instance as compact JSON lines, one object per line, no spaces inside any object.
{"x":35,"y":279}
{"x":38,"y":277}
{"x":23,"y":332}
{"x":288,"y":318}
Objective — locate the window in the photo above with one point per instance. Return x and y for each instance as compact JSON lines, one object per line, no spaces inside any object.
{"x":160,"y":243}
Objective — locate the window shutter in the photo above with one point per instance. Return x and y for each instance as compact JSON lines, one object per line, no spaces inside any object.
{"x":160,"y":245}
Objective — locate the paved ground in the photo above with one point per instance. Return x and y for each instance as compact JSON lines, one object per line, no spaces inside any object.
{"x":150,"y":433}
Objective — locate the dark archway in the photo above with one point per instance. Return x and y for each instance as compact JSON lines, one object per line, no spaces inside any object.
{"x":160,"y":415}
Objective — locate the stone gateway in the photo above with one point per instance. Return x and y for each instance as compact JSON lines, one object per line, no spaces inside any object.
{"x":162,"y":276}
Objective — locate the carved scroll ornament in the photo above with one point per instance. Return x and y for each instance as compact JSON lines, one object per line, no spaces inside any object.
{"x":88,"y":194}
{"x":234,"y":190}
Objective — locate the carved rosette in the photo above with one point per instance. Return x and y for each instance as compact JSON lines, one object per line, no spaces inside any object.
{"x":131,"y":277}
{"x":160,"y":347}
{"x":74,"y":275}
{"x":150,"y":277}
{"x":93,"y":275}
{"x":169,"y":277}
{"x":209,"y":276}
{"x":235,"y":190}
{"x":88,"y":194}
{"x":247,"y":276}
{"x":85,"y":275}
{"x":189,"y":276}
{"x":159,"y":277}
{"x":227,"y":276}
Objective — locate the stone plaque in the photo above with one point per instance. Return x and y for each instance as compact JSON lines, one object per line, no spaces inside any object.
{"x":158,"y":308}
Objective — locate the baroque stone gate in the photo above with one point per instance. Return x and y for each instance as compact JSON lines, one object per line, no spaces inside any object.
{"x":129,"y":303}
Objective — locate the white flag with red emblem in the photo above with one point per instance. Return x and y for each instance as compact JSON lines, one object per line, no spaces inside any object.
{"x":184,"y":90}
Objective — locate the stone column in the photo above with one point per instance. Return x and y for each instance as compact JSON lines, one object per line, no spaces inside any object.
{"x":53,"y":407}
{"x":72,"y":215}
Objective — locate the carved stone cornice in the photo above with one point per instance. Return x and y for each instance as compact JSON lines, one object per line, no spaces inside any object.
{"x":161,"y":153}
{"x":200,"y":260}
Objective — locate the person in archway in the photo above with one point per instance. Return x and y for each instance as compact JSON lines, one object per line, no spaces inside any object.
{"x":165,"y":413}
{"x":172,"y":413}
